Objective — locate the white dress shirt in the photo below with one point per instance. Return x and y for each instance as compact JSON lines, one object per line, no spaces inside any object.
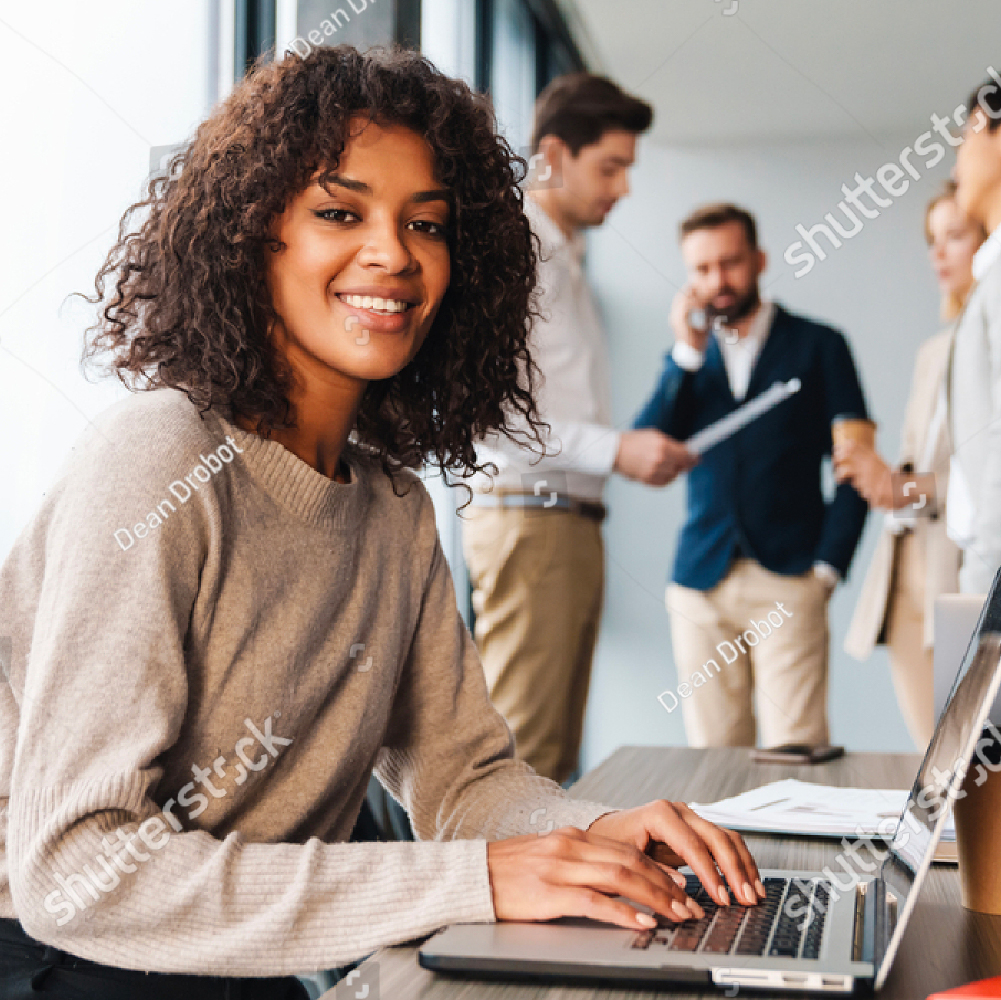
{"x":573,"y":396}
{"x":738,"y":357}
{"x":961,"y":510}
{"x":988,"y":253}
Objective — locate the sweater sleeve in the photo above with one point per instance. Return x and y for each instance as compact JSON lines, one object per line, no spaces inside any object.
{"x":448,"y":755}
{"x":102,"y":696}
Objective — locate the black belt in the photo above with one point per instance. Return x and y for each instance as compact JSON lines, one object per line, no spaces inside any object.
{"x":79,"y":977}
{"x":592,"y":509}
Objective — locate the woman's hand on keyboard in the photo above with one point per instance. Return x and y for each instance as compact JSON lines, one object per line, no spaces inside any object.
{"x":691,"y":840}
{"x":569,"y":873}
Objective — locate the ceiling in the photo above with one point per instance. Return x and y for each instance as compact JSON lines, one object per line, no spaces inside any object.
{"x":793,"y":68}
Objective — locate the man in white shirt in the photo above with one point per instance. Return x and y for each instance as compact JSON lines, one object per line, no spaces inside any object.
{"x":532,"y":537}
{"x":974,"y":500}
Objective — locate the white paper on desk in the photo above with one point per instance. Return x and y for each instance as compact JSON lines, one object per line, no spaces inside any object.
{"x":802,"y":807}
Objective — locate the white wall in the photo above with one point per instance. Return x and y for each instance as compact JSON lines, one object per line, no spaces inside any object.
{"x":88,"y":90}
{"x":878,"y":288}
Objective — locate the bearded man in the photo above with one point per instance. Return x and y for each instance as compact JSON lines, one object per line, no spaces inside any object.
{"x":758,"y":529}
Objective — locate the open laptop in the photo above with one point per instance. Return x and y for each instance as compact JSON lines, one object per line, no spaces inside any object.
{"x":808,"y":935}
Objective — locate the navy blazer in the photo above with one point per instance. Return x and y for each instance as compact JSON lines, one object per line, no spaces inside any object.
{"x":761,"y":488}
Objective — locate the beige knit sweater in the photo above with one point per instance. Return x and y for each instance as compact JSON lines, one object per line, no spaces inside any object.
{"x":211,"y":647}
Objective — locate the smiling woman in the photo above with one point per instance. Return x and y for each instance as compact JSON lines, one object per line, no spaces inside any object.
{"x":296,"y":178}
{"x":327,"y":195}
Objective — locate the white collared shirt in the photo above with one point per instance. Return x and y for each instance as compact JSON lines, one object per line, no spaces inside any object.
{"x":738,"y":357}
{"x":988,"y":253}
{"x":961,"y":510}
{"x":573,"y":396}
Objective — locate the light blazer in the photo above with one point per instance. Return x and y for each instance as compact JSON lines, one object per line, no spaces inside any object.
{"x":975,"y":419}
{"x":942,"y":557}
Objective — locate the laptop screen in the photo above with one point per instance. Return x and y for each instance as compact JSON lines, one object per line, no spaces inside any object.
{"x":956,"y":746}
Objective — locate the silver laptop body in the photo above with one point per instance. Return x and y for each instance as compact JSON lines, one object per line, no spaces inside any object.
{"x":856,"y":932}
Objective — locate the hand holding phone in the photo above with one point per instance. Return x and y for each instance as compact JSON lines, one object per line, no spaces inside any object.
{"x":689,"y":320}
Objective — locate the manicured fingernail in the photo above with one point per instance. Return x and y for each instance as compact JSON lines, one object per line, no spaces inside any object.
{"x":645,"y":920}
{"x":678,"y":878}
{"x":749,"y":892}
{"x":760,"y":888}
{"x":680,"y":909}
{"x":724,"y":896}
{"x":696,"y":910}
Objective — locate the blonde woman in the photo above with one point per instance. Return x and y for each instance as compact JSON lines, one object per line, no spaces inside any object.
{"x":915,"y":561}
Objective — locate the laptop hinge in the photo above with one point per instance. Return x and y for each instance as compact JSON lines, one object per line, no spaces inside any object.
{"x":864,"y":937}
{"x":872,"y":922}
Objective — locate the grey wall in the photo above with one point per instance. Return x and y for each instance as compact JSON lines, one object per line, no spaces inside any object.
{"x":878,"y":288}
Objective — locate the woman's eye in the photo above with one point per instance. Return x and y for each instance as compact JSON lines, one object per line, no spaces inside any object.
{"x":428,"y":227}
{"x":335,"y":214}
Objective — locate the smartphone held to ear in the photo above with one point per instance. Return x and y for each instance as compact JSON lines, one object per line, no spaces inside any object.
{"x":697,"y":319}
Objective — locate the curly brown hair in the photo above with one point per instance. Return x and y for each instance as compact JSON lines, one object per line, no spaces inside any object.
{"x":190,"y":307}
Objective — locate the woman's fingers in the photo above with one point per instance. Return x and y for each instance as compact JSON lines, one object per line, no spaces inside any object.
{"x":617,"y":878}
{"x":572,"y":873}
{"x":597,"y":906}
{"x":750,"y":865}
{"x":619,"y":867}
{"x":693,"y":849}
{"x":729,"y":853}
{"x":530,"y":877}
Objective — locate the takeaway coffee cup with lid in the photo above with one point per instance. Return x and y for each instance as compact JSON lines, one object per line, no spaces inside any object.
{"x":848,"y":427}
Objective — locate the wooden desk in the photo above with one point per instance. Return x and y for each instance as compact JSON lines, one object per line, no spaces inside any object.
{"x":943,"y":946}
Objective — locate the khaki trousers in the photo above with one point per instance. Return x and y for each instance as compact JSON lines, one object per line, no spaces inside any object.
{"x":538,"y":577}
{"x":770,"y":681}
{"x":911,"y":662}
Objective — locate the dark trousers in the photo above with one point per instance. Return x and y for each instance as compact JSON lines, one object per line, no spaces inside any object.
{"x":29,"y":968}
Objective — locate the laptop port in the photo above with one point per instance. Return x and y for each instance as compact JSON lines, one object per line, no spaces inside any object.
{"x":795,"y":979}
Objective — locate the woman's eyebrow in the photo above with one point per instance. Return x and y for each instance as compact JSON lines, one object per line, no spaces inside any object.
{"x":346,"y":182}
{"x":438,"y":194}
{"x":419,"y":198}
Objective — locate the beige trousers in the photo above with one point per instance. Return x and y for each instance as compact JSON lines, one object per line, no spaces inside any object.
{"x":911,"y":662}
{"x":537,"y":579}
{"x":769,"y":679}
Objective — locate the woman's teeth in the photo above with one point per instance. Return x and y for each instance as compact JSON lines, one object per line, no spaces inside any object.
{"x":387,"y":306}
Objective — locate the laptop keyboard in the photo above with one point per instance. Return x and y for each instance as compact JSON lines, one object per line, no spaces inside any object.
{"x":766,"y":929}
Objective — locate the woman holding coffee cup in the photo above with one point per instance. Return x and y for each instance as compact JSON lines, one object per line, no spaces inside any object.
{"x":914,"y":561}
